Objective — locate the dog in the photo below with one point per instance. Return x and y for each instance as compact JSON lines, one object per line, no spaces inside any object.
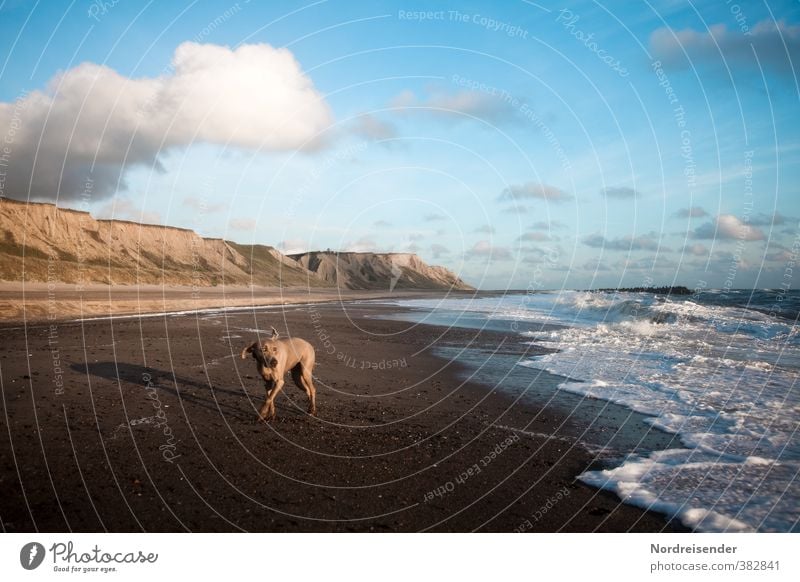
{"x":276,"y":357}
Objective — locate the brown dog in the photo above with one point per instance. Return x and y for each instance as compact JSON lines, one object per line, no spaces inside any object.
{"x":278,"y":356}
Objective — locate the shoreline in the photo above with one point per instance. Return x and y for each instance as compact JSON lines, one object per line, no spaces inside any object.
{"x":387,"y":439}
{"x":39,"y":302}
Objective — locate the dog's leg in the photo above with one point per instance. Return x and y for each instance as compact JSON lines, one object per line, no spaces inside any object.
{"x":264,"y":412}
{"x":270,"y":403}
{"x":299,"y":376}
{"x":269,"y":386}
{"x":308,"y":384}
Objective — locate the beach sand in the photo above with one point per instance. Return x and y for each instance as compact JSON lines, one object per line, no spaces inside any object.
{"x":41,"y":301}
{"x":148,"y":425}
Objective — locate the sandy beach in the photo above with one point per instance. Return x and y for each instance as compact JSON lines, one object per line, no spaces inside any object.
{"x":147,"y":424}
{"x":49,"y":301}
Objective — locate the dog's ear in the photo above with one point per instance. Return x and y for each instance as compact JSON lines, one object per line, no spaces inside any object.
{"x":274,"y":333}
{"x":249,"y":349}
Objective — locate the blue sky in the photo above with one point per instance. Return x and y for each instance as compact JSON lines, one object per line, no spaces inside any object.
{"x":523,"y":145}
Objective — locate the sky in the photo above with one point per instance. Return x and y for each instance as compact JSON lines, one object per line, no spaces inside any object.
{"x":523,"y":145}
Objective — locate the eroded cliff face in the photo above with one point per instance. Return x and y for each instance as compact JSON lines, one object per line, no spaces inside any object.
{"x":42,"y":243}
{"x":379,"y":271}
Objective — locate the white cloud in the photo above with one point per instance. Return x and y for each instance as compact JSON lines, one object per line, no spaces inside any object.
{"x":95,"y":123}
{"x":728,"y":227}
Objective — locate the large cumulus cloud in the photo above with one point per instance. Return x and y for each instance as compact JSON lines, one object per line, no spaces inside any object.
{"x":90,"y":123}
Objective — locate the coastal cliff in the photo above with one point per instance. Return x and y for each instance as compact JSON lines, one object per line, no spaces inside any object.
{"x":42,"y":243}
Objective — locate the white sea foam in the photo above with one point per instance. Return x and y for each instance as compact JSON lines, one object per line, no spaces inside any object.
{"x":721,"y":377}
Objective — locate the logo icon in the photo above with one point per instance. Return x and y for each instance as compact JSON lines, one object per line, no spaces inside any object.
{"x":31,"y":555}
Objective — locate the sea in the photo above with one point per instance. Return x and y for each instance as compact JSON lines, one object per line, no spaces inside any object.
{"x":716,"y":372}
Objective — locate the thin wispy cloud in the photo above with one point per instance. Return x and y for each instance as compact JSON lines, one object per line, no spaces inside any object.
{"x":774,"y":219}
{"x":691,"y":212}
{"x":434,"y":217}
{"x":534,"y":191}
{"x":454,"y":106}
{"x":364,"y":244}
{"x":620,"y":193}
{"x":203,"y":206}
{"x":534,"y":236}
{"x":547,"y":225}
{"x":438,"y":251}
{"x":373,"y":128}
{"x":696,"y":249}
{"x":781,"y":256}
{"x":776,"y":44}
{"x":242,"y":224}
{"x":485,"y":250}
{"x":648,"y":242}
{"x":592,"y":266}
{"x":125,"y":209}
{"x":645,"y":263}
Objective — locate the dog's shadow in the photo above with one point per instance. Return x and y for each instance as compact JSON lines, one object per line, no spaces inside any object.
{"x":187,"y":390}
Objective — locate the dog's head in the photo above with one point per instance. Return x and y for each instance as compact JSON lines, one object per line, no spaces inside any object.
{"x":267,"y":354}
{"x":270,"y":354}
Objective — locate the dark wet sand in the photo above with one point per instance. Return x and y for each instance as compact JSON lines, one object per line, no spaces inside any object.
{"x":154,"y":431}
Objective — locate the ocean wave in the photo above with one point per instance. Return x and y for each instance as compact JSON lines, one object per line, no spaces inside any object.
{"x":720,"y":375}
{"x":705,"y":492}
